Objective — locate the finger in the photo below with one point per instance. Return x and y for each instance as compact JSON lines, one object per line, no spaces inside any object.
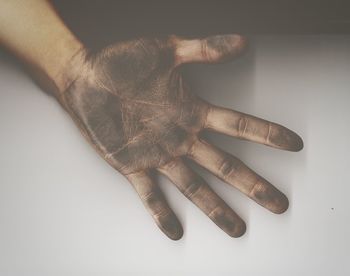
{"x":155,"y":203}
{"x":212,"y":49}
{"x":248,"y":127}
{"x":234,"y":172}
{"x":197,"y":190}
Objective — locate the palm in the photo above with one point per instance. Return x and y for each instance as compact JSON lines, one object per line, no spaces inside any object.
{"x":136,"y":110}
{"x":132,"y":105}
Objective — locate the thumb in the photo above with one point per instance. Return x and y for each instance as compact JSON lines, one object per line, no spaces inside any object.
{"x":213,"y":49}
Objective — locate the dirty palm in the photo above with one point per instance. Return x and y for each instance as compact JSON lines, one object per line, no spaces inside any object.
{"x":131,"y":103}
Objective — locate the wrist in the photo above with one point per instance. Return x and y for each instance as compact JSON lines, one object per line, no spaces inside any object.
{"x":62,"y":68}
{"x":71,"y":68}
{"x":72,"y":61}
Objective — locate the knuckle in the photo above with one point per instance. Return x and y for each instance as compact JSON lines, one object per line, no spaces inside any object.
{"x":206,"y":51}
{"x":192,"y":147}
{"x":170,"y":165}
{"x":207,"y":114}
{"x":227,"y":167}
{"x":193,"y":188}
{"x":148,"y":196}
{"x":215,"y":212}
{"x":162,"y":213}
{"x":242,"y":126}
{"x":268,"y":134}
{"x":257,"y":185}
{"x":152,"y":199}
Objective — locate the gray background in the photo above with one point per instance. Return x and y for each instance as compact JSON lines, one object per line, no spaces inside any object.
{"x":64,"y":211}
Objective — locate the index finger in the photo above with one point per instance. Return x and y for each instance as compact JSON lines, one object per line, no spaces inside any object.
{"x":244,"y":126}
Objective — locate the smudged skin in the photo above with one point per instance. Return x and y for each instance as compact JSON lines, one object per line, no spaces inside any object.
{"x":131,"y":103}
{"x":134,"y":107}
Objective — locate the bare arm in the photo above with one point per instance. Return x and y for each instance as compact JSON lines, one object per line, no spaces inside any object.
{"x":33,"y":31}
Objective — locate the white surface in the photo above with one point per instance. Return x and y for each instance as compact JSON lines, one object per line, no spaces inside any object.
{"x":64,"y":211}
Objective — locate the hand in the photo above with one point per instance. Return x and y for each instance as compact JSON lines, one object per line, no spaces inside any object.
{"x":131,"y":103}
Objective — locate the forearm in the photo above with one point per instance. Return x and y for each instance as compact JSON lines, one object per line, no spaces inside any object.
{"x":33,"y":31}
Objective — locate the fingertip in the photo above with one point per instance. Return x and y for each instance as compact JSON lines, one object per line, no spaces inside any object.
{"x":298,"y":144}
{"x":293,"y":141}
{"x":239,"y":229}
{"x":281,"y":205}
{"x":225,"y":47}
{"x":172,"y":228}
{"x":240,"y":42}
{"x":287,"y":139}
{"x":228,"y":221}
{"x":270,"y":197}
{"x":176,"y":235}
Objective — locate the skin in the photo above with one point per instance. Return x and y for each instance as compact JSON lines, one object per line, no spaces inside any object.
{"x":131,"y":103}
